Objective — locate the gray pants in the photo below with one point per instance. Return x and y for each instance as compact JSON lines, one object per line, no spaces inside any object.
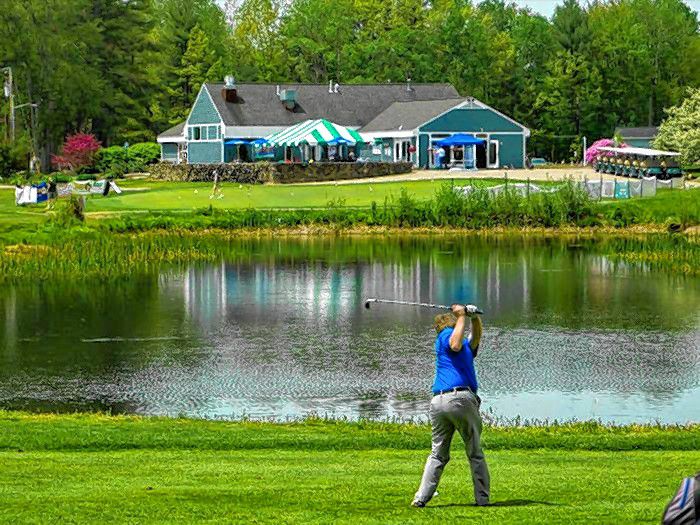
{"x":449,"y":412}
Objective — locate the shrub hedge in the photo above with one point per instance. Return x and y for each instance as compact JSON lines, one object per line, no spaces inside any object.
{"x":261,"y":172}
{"x":116,"y":161}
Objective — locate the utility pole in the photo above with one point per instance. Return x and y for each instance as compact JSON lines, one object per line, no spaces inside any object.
{"x":10,"y":94}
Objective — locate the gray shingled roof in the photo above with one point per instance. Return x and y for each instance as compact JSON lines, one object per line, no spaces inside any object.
{"x":175,"y":131}
{"x":637,"y":133}
{"x":353,"y":105}
{"x":410,"y":115}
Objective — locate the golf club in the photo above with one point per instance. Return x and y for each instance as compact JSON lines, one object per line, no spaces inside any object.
{"x":371,"y":300}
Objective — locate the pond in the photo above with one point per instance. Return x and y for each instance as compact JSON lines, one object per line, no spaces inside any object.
{"x":277,"y":329}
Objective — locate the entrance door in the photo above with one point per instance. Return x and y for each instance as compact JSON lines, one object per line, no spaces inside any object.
{"x":481,"y":156}
{"x":492,"y":158}
{"x":401,"y":153}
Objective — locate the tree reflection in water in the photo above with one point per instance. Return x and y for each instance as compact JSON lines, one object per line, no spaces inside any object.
{"x":277,"y":329}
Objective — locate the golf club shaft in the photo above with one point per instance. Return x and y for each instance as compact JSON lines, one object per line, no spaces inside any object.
{"x":409,"y":303}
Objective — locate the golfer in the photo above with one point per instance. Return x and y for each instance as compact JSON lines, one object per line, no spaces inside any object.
{"x":455,"y":405}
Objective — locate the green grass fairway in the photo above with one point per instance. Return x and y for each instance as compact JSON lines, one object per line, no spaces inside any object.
{"x":666,"y":203}
{"x":169,"y":196}
{"x":192,"y":195}
{"x":89,"y":469}
{"x":683,"y":206}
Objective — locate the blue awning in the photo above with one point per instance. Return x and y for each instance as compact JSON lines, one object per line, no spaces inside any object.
{"x":338,"y":140}
{"x":236,"y":142}
{"x":460,"y":139}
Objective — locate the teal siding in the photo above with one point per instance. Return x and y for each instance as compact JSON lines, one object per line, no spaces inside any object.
{"x":168,"y":151}
{"x":203,"y":111}
{"x":229,"y":153}
{"x":510,"y":150}
{"x":204,"y":152}
{"x":459,"y":120}
{"x":423,"y":151}
{"x":464,"y":120}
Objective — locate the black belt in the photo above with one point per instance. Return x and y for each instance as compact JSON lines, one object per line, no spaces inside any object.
{"x":455,"y":389}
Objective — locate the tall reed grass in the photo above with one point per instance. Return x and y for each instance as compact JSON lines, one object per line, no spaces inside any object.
{"x":145,"y":243}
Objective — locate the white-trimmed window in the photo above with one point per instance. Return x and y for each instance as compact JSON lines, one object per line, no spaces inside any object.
{"x":206,"y":132}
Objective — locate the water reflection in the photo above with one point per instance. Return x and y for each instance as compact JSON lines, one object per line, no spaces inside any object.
{"x":278,"y":329}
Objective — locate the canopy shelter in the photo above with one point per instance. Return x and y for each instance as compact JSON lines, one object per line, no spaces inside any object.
{"x":460,"y":139}
{"x":340,"y":141}
{"x":647,"y":152}
{"x":638,"y":162}
{"x":319,"y":132}
{"x":239,"y":150}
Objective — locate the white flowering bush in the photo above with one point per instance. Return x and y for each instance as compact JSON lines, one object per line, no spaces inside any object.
{"x":681,"y":130}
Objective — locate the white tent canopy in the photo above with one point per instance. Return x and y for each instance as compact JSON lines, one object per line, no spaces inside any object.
{"x":314,"y":133}
{"x":640,"y":151}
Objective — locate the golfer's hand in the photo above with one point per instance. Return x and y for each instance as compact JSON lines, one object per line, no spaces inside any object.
{"x":471,"y":310}
{"x":459,"y":310}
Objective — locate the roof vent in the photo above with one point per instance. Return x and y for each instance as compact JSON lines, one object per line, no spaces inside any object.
{"x":288,"y":98}
{"x":229,"y":93}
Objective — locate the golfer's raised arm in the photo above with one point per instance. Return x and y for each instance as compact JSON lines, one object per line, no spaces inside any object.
{"x":475,"y":336}
{"x":457,"y":337}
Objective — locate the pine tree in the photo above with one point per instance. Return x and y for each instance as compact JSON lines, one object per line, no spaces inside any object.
{"x":199,"y":65}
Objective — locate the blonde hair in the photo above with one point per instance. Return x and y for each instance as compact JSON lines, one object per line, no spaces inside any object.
{"x":443,"y":321}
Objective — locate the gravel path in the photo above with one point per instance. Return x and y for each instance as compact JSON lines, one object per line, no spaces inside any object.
{"x":533,"y":175}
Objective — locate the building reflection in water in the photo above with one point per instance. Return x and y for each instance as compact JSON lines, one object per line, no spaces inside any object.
{"x":279,"y":329}
{"x":567,"y":331}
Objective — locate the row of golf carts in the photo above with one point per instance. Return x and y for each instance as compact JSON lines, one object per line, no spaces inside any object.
{"x":638,"y":162}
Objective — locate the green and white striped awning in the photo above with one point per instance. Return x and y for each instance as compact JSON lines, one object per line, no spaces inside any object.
{"x":314,"y":132}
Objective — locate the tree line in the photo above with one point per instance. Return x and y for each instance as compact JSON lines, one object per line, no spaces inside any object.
{"x":126,"y":70}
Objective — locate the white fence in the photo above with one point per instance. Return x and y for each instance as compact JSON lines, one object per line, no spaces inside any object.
{"x":597,"y":189}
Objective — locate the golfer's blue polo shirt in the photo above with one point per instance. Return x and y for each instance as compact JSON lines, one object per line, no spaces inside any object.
{"x":453,"y":369}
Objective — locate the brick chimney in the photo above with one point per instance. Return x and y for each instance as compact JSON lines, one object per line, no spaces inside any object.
{"x":288,"y":97}
{"x":229,"y":92}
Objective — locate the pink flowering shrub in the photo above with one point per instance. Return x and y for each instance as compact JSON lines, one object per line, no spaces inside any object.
{"x":594,"y":151}
{"x":78,"y":152}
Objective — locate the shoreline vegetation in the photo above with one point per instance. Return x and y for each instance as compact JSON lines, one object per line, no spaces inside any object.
{"x":658,"y":233}
{"x":84,"y":253}
{"x":104,"y":431}
{"x":87,"y":467}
